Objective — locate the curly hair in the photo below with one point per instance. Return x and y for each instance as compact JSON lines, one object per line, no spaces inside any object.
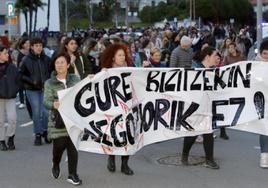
{"x":109,"y":53}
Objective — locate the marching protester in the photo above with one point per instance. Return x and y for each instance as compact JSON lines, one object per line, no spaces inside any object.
{"x":8,"y":92}
{"x":23,"y":48}
{"x":79,"y":62}
{"x":60,"y":41}
{"x":263,"y":56}
{"x":205,"y":59}
{"x":34,"y":71}
{"x":90,"y":49}
{"x":225,"y":45}
{"x":155,"y":58}
{"x":218,"y":63}
{"x":233,"y":55}
{"x":112,"y":57}
{"x":183,"y":54}
{"x":60,"y":79}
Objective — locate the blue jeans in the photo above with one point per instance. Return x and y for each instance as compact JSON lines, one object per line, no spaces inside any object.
{"x":39,"y":112}
{"x":264,"y":143}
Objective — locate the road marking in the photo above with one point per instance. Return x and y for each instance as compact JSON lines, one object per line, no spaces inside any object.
{"x":26,"y":124}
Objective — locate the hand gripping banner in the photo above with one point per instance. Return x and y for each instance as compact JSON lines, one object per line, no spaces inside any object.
{"x":121,"y":110}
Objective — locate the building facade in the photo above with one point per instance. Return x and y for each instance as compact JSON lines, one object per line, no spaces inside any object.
{"x":15,"y":25}
{"x":8,"y":19}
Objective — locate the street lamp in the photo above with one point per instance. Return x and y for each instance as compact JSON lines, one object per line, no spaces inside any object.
{"x":259,"y":22}
{"x":126,"y":16}
{"x":192,"y":11}
{"x":66,"y":15}
{"x":91,"y":12}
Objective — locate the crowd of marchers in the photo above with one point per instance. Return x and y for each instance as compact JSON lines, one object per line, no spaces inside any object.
{"x":34,"y":71}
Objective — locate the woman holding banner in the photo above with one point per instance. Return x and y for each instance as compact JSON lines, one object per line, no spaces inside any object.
{"x":263,"y":56}
{"x":60,"y":79}
{"x":206,"y":58}
{"x":112,"y":57}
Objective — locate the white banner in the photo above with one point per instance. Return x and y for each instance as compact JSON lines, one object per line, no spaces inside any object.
{"x":123,"y":109}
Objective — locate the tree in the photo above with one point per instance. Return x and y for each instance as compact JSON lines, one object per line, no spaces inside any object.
{"x":146,"y":14}
{"x":21,"y":7}
{"x":30,"y":7}
{"x":37,"y":4}
{"x":221,"y":11}
{"x":161,"y":11}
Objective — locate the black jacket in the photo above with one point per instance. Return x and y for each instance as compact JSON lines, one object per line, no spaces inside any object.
{"x":84,"y":68}
{"x":9,"y":82}
{"x":34,"y":71}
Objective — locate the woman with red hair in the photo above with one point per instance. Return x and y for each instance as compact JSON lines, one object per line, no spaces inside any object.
{"x":116,"y":55}
{"x":108,"y":56}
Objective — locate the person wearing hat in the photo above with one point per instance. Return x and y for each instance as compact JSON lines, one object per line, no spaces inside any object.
{"x":182,"y":55}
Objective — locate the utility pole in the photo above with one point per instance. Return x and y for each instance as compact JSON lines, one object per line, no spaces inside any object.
{"x":126,"y":14}
{"x":191,"y":12}
{"x":66,"y":15}
{"x":117,"y":5}
{"x":259,"y":22}
{"x":194,"y":9}
{"x":91,"y":12}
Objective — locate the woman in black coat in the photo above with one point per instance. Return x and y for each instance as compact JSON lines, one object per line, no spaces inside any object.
{"x":8,"y":92}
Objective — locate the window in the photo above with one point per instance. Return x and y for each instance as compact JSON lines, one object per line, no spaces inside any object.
{"x":2,"y":19}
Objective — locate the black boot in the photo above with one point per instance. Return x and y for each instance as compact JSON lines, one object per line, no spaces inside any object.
{"x":56,"y":171}
{"x":184,"y":159}
{"x":124,"y":167}
{"x":10,"y":143}
{"x":3,"y":146}
{"x":38,"y":140}
{"x":111,"y":163}
{"x":44,"y":135}
{"x":223,"y":134}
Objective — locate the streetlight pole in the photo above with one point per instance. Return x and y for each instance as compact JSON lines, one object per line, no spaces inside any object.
{"x":66,"y":15}
{"x":191,"y":12}
{"x":91,"y":12}
{"x":259,"y":22}
{"x":126,"y":14}
{"x":116,"y":13}
{"x":194,"y":8}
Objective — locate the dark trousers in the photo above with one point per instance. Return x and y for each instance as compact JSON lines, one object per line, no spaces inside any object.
{"x":21,"y":95}
{"x":208,"y":143}
{"x":59,"y":145}
{"x":124,"y":159}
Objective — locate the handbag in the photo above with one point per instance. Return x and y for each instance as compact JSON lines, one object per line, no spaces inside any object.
{"x":59,"y":123}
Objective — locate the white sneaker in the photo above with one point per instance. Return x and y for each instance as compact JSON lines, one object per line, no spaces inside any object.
{"x":21,"y":106}
{"x":264,"y":160}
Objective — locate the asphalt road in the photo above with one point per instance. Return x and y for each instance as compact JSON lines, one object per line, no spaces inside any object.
{"x":155,"y":166}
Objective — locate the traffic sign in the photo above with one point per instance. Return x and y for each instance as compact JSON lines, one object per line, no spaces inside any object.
{"x":10,"y":9}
